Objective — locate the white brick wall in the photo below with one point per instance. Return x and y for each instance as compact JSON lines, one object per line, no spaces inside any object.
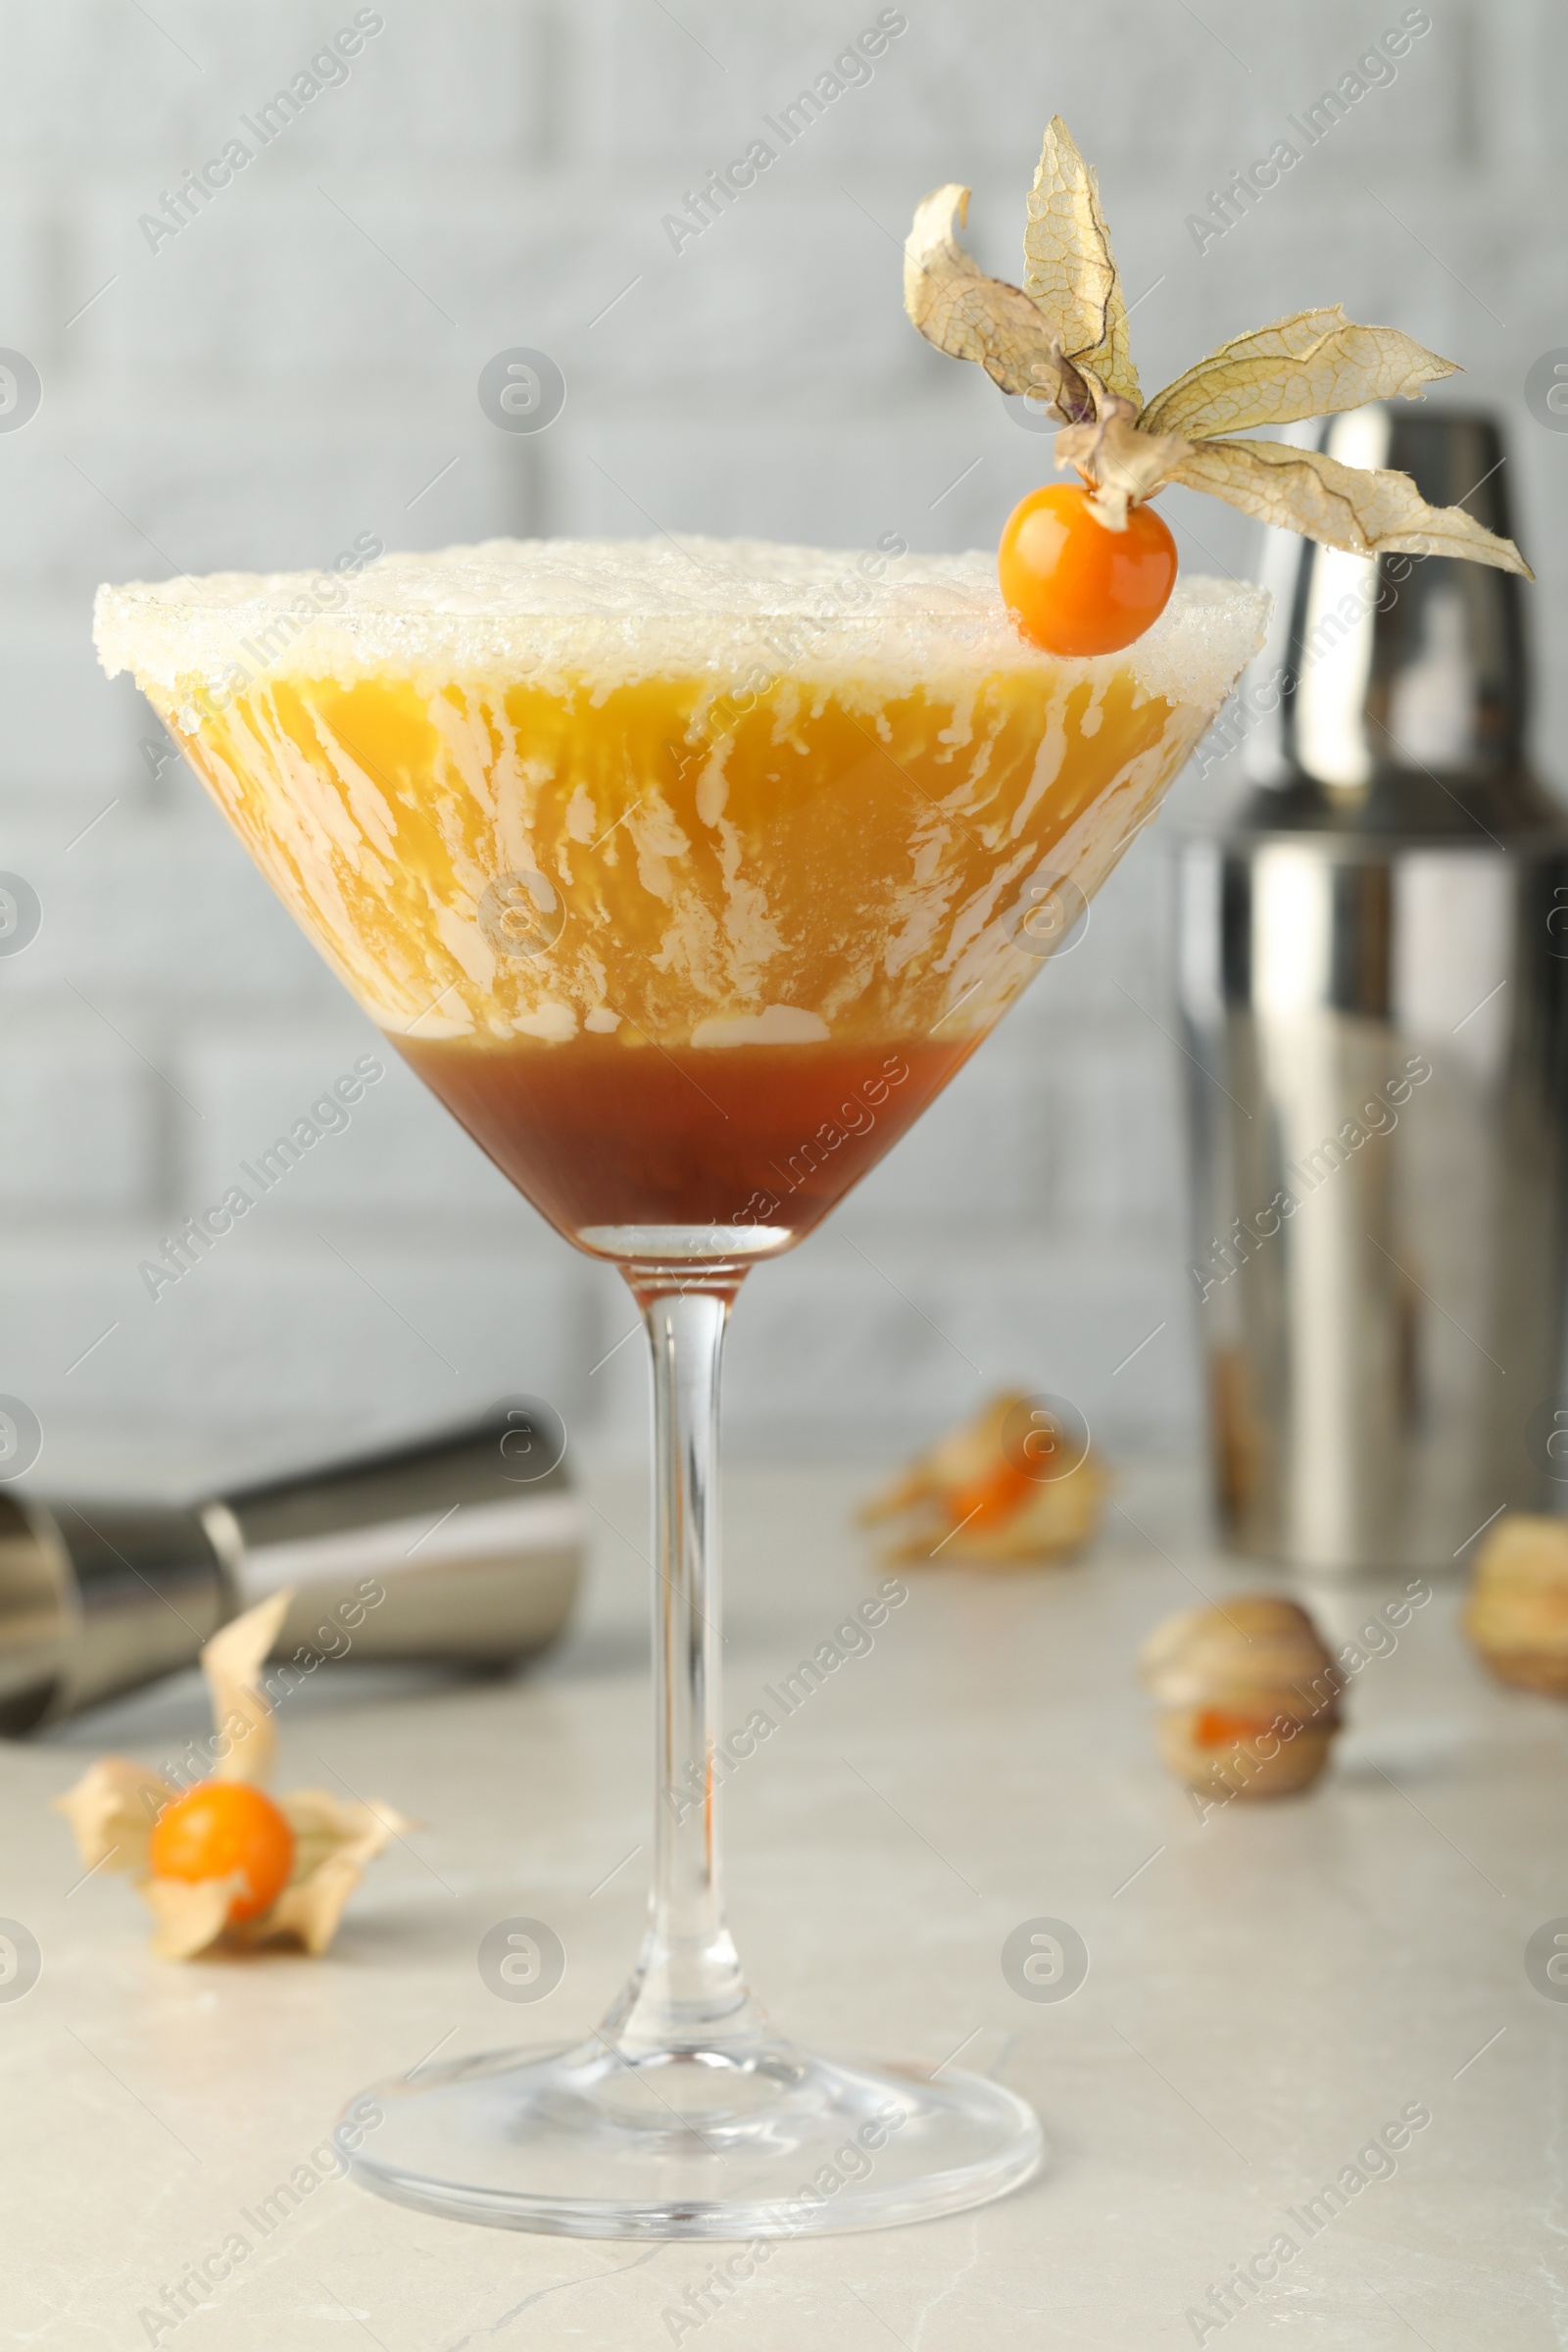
{"x":298,"y":363}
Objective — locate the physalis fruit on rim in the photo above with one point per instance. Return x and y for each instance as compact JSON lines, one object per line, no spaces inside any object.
{"x":1061,"y":339}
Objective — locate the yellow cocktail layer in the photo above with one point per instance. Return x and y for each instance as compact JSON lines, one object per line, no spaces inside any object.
{"x":813,"y":862}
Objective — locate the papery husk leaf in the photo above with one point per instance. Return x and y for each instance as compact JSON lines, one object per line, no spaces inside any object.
{"x":1339,"y":505}
{"x":971,"y":316}
{"x":1257,"y":1655}
{"x":1071,"y":274}
{"x":1062,"y":338}
{"x":325,"y":1824}
{"x":312,"y":1912}
{"x":1517,"y":1612}
{"x":957,"y":1458}
{"x":333,"y":1842}
{"x":1123,"y":464}
{"x":189,"y":1914}
{"x":112,"y":1810}
{"x":1051,"y":1526}
{"x":1052,"y":1521}
{"x":1315,"y":363}
{"x":242,"y":1715}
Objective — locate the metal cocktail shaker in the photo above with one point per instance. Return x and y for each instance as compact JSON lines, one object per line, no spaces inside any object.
{"x":1373,"y":978}
{"x":465,"y":1547}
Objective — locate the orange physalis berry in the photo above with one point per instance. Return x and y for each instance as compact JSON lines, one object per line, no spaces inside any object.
{"x":1073,"y":584}
{"x":986,"y":1501}
{"x":1215,"y":1727}
{"x":220,"y":1828}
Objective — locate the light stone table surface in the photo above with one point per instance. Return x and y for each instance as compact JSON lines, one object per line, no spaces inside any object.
{"x":1267,"y":1988}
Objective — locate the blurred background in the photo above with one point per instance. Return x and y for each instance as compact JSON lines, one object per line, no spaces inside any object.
{"x":295,"y":364}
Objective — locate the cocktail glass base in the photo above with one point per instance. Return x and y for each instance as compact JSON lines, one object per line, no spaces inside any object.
{"x":748,"y":2138}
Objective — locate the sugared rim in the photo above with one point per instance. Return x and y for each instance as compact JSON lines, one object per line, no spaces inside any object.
{"x":613,"y":610}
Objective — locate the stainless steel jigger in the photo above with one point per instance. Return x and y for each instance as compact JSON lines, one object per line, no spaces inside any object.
{"x":465,"y":1547}
{"x":1373,"y":975}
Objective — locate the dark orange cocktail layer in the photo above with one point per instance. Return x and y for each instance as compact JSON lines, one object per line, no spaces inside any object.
{"x":598,"y":1132}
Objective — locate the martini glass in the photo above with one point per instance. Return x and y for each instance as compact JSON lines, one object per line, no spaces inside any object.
{"x":685,"y":876}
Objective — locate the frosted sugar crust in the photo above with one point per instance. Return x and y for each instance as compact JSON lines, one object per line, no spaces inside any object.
{"x":563,"y":613}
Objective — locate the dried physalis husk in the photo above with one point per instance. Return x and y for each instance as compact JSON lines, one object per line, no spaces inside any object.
{"x":1517,"y":1611}
{"x":995,"y":1492}
{"x":1061,"y":338}
{"x":1247,"y":1694}
{"x":113,"y":1808}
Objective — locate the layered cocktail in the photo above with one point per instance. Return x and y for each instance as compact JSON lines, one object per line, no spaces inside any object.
{"x":685,"y":876}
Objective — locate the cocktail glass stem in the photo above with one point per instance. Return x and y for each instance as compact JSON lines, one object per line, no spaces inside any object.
{"x":688,"y":1989}
{"x":684,"y":2114}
